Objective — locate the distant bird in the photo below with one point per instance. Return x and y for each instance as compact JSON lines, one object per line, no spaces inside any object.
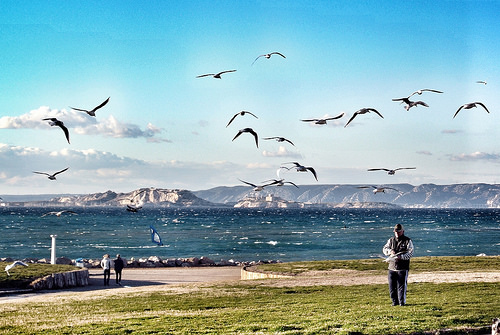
{"x":16,"y":263}
{"x":279,"y":139}
{"x":51,"y":176}
{"x":248,"y":130}
{"x":215,"y":75}
{"x":55,"y":122}
{"x":302,"y":168}
{"x":280,"y":182}
{"x":323,"y":120}
{"x":242,"y":113}
{"x":419,"y":92}
{"x":133,"y":209}
{"x":481,"y":82}
{"x":59,"y":213}
{"x":92,"y":111}
{"x":469,"y":106}
{"x":410,"y":104}
{"x":379,"y":189}
{"x":269,"y":55}
{"x":363,"y":111}
{"x":256,"y":188}
{"x":390,"y":171}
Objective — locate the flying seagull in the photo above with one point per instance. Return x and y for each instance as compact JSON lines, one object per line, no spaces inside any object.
{"x":55,"y":122}
{"x":410,"y":104}
{"x":248,"y":130}
{"x":133,"y":209}
{"x":92,"y":111}
{"x":392,"y":171}
{"x":481,"y":82}
{"x":242,"y":113}
{"x":302,"y":168}
{"x":51,"y":176}
{"x":280,"y":182}
{"x":323,"y":120}
{"x":279,"y":139}
{"x":269,"y":55}
{"x":363,"y":111}
{"x":379,"y":189}
{"x":469,"y":106}
{"x":256,"y":188}
{"x":419,"y":92}
{"x":215,"y":75}
{"x":59,"y":213}
{"x":16,"y":263}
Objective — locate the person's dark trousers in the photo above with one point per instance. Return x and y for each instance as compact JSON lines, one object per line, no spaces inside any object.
{"x":107,"y":275}
{"x":397,"y":286}
{"x":118,"y":276}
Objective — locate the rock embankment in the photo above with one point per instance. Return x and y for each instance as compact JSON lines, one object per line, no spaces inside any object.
{"x":61,"y":280}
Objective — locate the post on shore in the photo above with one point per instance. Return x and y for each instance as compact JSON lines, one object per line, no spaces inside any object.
{"x":53,"y":250}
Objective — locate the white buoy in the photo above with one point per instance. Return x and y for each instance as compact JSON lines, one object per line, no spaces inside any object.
{"x":53,"y":250}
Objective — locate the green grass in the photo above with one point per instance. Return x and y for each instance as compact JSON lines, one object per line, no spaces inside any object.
{"x":253,"y":307}
{"x":418,"y":264}
{"x":22,"y":276}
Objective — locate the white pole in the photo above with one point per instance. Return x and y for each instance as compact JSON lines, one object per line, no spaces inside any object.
{"x":53,"y":250}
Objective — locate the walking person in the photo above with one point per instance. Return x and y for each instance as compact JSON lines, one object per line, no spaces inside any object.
{"x":106,"y":266}
{"x":119,"y":264}
{"x":399,"y":249}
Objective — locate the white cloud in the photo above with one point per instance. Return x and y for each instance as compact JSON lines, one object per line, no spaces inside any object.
{"x":82,"y":124}
{"x":282,"y":152}
{"x":475,"y":156}
{"x":424,"y":152}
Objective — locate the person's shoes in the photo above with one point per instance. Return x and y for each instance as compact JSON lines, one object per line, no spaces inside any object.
{"x":402,"y":304}
{"x":395,"y":304}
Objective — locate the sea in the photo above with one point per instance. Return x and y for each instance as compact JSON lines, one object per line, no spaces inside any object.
{"x":244,"y":234}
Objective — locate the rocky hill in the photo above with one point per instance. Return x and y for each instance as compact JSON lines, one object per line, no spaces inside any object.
{"x":422,"y":196}
{"x":146,"y":197}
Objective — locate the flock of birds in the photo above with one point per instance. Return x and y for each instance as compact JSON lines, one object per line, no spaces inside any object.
{"x":323,"y":121}
{"x":247,"y":130}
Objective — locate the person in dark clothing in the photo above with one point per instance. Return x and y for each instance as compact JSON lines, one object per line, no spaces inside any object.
{"x":399,"y":250}
{"x":119,"y":264}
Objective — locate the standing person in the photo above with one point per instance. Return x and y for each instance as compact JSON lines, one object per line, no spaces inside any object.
{"x":399,"y":249}
{"x":106,"y":266}
{"x":118,"y":269}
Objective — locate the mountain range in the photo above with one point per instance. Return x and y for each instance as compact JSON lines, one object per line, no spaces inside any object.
{"x":339,"y":195}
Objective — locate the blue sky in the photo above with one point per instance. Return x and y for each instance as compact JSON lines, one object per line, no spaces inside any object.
{"x":163,"y":127}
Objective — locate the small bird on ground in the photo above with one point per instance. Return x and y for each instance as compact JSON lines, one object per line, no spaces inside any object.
{"x":59,"y":213}
{"x":92,"y":111}
{"x":471,"y":105}
{"x":410,"y":104}
{"x":242,"y":113}
{"x":215,"y":75}
{"x":256,"y":188}
{"x":55,"y":122}
{"x":363,"y":111}
{"x":51,"y":176}
{"x":269,"y":55}
{"x":419,"y":92}
{"x":301,"y":168}
{"x":379,"y":189}
{"x":16,"y":263}
{"x":323,"y":120}
{"x":392,"y":171}
{"x":248,"y":130}
{"x":279,"y":139}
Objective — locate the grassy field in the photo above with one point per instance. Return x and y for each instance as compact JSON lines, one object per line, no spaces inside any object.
{"x":252,"y":307}
{"x":22,"y":276}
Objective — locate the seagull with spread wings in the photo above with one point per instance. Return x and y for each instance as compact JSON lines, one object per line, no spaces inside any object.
{"x":14,"y":264}
{"x":323,"y":120}
{"x":55,"y":122}
{"x":256,"y":188}
{"x":379,"y":189}
{"x":248,"y":130}
{"x":215,"y":75}
{"x":363,"y":111}
{"x":410,"y":104}
{"x":471,"y":105}
{"x":51,"y":176}
{"x":419,"y":92}
{"x":279,"y":139}
{"x":269,"y":55}
{"x":392,"y":171}
{"x":92,"y":111}
{"x":59,"y":213}
{"x":301,"y":168}
{"x":279,"y":182}
{"x":242,"y":113}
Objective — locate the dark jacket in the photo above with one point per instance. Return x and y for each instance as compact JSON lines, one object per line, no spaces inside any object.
{"x":118,"y":264}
